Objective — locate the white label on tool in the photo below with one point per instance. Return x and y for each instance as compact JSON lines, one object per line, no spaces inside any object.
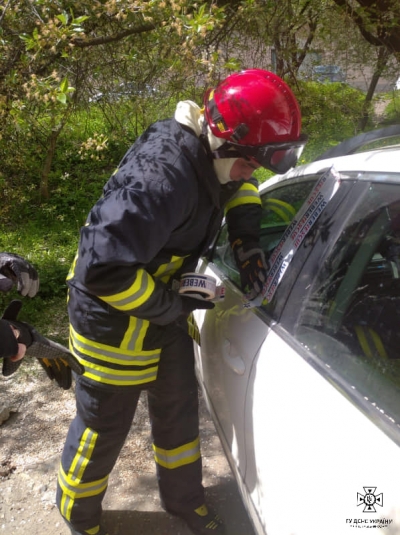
{"x":196,"y":285}
{"x":303,"y":221}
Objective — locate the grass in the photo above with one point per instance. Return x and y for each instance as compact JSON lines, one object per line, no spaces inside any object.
{"x":51,"y":251}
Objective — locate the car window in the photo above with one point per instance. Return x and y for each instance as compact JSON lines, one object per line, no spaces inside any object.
{"x":279,"y":206}
{"x":351,"y":317}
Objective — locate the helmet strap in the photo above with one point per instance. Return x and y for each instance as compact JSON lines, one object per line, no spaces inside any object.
{"x":240,"y":132}
{"x":205,"y":141}
{"x":224,"y":151}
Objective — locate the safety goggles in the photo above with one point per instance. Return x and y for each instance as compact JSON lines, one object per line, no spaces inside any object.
{"x":278,"y":157}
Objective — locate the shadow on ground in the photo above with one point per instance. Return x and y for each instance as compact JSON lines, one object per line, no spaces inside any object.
{"x":224,"y":498}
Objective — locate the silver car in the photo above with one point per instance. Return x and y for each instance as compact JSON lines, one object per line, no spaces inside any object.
{"x":304,"y":389}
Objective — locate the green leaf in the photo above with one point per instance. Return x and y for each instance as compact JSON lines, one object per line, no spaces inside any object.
{"x":64,"y":85}
{"x":79,"y":20}
{"x":63,"y":18}
{"x":62,"y":97}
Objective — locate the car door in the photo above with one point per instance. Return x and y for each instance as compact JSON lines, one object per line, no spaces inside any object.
{"x":318,"y":397}
{"x":323,"y":403}
{"x":231,"y":334}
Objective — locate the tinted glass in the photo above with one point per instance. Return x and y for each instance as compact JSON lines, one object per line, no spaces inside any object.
{"x":279,"y":207}
{"x":351,"y":319}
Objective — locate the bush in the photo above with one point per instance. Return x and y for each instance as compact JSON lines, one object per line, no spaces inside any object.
{"x":392,"y":110}
{"x":330,"y":114}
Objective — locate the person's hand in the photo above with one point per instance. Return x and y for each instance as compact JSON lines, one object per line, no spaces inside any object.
{"x":11,"y":351}
{"x":253,"y":267}
{"x":13,"y":347}
{"x":185,"y":321}
{"x":192,"y":303}
{"x":21,"y":347}
{"x":56,"y":360}
{"x":16,"y":270}
{"x":9,"y":346}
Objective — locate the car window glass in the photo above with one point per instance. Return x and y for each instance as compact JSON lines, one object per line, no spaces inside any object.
{"x":351,"y":317}
{"x":279,"y":206}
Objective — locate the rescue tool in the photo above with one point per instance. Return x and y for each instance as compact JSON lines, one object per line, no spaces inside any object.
{"x":200,"y":286}
{"x":57,"y":361}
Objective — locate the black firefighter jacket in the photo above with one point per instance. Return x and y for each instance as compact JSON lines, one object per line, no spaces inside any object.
{"x":159,"y":212}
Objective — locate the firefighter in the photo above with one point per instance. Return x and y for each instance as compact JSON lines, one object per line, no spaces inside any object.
{"x":158,"y":214}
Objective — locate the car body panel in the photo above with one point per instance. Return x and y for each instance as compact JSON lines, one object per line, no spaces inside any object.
{"x":307,"y":446}
{"x":274,"y":429}
{"x":360,"y":165}
{"x":312,"y":435}
{"x":228,"y":366}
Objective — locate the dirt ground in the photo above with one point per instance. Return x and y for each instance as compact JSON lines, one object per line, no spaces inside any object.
{"x":31,"y":441}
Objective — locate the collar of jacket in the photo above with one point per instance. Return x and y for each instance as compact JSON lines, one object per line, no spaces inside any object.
{"x":195,"y":152}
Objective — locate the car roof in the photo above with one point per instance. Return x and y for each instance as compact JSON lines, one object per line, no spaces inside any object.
{"x":384,"y":161}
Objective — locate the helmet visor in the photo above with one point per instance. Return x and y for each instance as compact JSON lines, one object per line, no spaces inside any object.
{"x":278,"y":157}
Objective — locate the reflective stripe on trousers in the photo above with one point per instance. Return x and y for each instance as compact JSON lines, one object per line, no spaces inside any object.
{"x":103,"y":420}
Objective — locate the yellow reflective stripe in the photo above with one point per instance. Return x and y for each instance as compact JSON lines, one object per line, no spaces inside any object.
{"x":72,"y":268}
{"x":93,"y":531}
{"x":119,"y":377}
{"x":138,"y":293}
{"x":247,"y":194}
{"x":239,"y":201}
{"x":108,"y":353}
{"x":83,"y":454}
{"x":283,"y":209}
{"x":135,"y":333}
{"x":363,"y":341}
{"x":65,"y":508}
{"x":193,"y":329}
{"x":82,"y":347}
{"x":71,"y":484}
{"x":75,"y":489}
{"x":370,"y":341}
{"x":378,"y":344}
{"x":186,"y":454}
{"x":165,"y":271}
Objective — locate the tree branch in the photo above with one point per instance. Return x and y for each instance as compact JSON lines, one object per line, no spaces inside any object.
{"x":84,"y":43}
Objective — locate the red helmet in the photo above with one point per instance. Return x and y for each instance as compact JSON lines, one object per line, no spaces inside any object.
{"x":257,"y":114}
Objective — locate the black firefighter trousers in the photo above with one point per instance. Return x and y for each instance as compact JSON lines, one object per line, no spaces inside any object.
{"x":103,"y":419}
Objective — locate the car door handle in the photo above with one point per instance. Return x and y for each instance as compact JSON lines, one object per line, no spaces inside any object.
{"x":232,"y":358}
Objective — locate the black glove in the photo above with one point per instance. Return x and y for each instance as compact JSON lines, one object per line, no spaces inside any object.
{"x":192,"y":303}
{"x":8,"y":344}
{"x":57,"y":361}
{"x":57,"y":369}
{"x":187,"y":322}
{"x":252,"y":265}
{"x":21,"y":336}
{"x":16,"y":270}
